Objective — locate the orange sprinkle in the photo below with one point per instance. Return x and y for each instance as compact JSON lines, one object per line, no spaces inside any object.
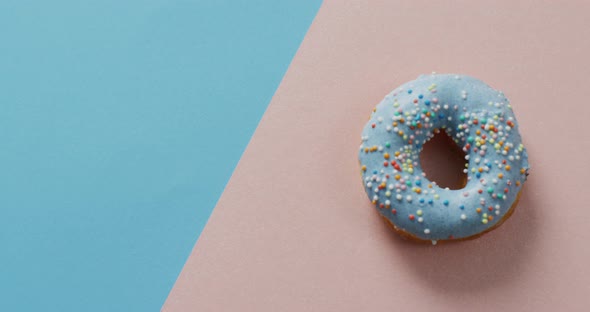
{"x":478,"y":210}
{"x":507,"y":167}
{"x":386,"y":155}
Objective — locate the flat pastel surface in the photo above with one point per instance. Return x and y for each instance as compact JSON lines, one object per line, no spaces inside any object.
{"x":120,"y":124}
{"x":294,"y":230}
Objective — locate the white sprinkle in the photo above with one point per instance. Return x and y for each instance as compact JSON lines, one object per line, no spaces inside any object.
{"x":398,"y":197}
{"x":409,"y":198}
{"x":463,"y":217}
{"x":426,"y":231}
{"x":420,"y":219}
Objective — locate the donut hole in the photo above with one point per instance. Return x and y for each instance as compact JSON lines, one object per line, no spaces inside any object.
{"x":443,"y":162}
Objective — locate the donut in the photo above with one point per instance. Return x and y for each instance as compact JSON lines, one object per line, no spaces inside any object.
{"x":480,"y":121}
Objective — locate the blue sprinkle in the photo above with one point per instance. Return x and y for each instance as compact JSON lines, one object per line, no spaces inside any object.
{"x":418,"y":183}
{"x":430,"y":201}
{"x":446,"y":202}
{"x":420,"y":96}
{"x":462,"y":207}
{"x":478,"y":175}
{"x":410,"y":91}
{"x":427,"y":103}
{"x":422,"y":200}
{"x":441,"y":116}
{"x":375,"y":171}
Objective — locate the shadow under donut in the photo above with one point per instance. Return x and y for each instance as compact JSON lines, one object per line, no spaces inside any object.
{"x":494,"y":259}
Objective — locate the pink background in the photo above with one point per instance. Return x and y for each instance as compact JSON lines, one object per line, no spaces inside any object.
{"x":294,"y":230}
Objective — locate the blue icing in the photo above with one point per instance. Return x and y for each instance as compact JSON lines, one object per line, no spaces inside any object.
{"x":406,"y":119}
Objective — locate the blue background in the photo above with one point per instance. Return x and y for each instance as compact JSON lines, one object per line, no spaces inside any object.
{"x":120,"y":124}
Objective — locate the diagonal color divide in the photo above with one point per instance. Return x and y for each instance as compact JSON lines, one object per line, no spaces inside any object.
{"x":294,"y":231}
{"x":120,"y":123}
